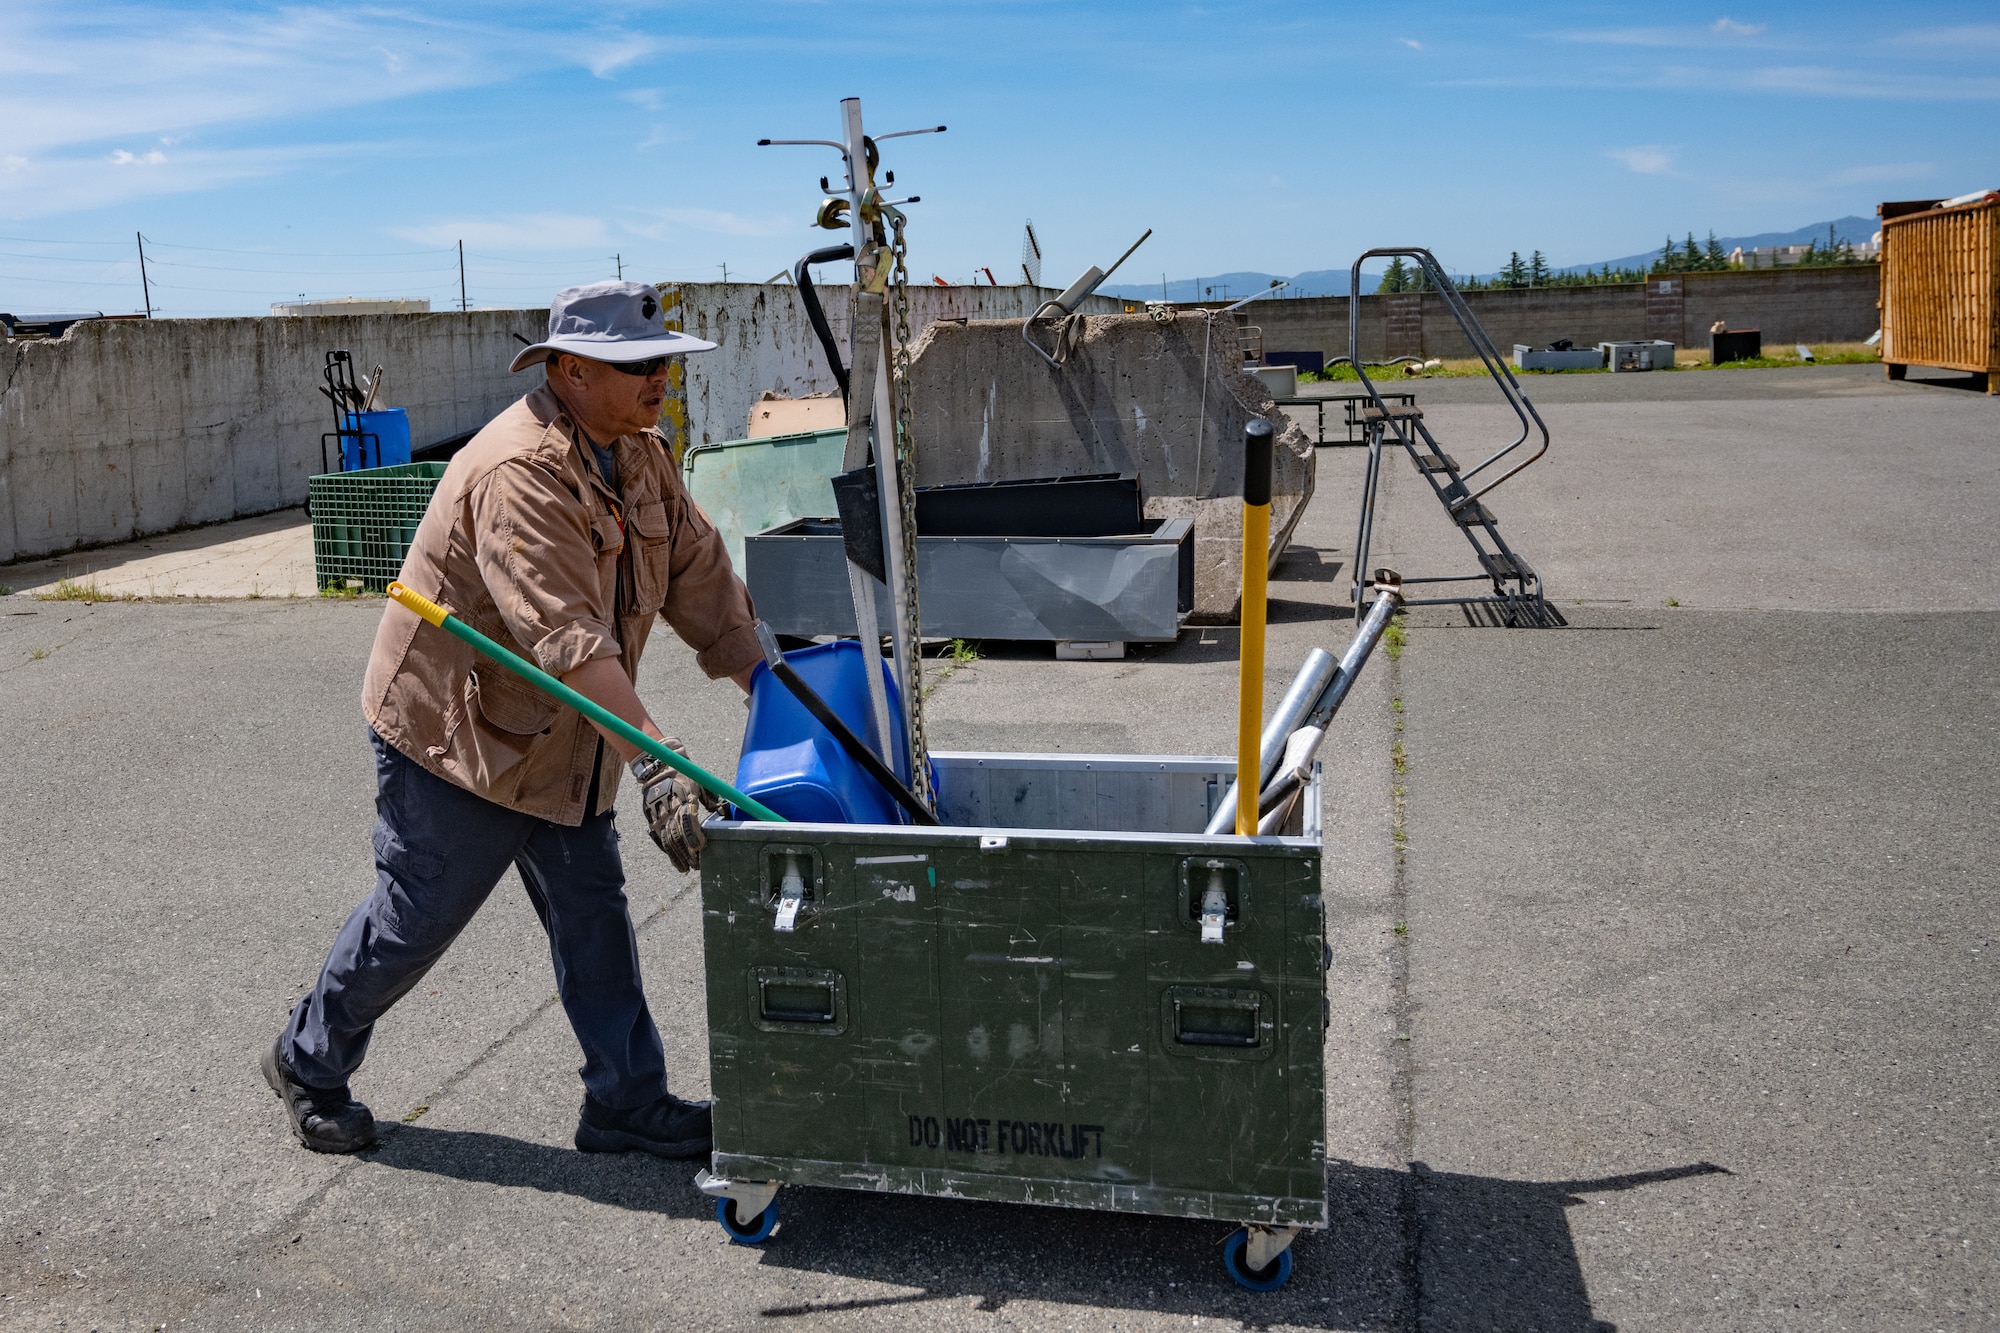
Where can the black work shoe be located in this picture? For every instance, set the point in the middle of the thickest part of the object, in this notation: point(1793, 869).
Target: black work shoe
point(668, 1127)
point(325, 1120)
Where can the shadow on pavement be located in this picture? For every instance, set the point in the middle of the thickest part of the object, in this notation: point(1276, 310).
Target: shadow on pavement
point(1474, 1251)
point(1498, 1254)
point(1942, 379)
point(620, 1180)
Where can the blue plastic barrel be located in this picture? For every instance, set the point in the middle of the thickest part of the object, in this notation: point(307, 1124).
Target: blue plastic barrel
point(793, 764)
point(386, 442)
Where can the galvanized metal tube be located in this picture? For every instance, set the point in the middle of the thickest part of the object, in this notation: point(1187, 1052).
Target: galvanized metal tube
point(1326, 703)
point(1373, 626)
point(1304, 692)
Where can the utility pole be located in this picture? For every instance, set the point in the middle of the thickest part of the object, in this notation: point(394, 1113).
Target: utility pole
point(725, 273)
point(619, 260)
point(144, 286)
point(463, 305)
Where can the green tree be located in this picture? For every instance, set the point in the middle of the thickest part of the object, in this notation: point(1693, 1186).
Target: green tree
point(1538, 270)
point(1396, 278)
point(1665, 263)
point(1515, 273)
point(1690, 257)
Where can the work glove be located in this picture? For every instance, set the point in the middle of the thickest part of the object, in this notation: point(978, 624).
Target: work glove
point(674, 806)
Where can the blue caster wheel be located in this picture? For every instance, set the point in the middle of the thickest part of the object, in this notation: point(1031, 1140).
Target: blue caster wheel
point(758, 1229)
point(1263, 1279)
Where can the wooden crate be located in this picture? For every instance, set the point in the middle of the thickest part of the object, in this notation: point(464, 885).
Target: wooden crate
point(1941, 287)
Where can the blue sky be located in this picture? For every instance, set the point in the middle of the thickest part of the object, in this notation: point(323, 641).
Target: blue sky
point(268, 151)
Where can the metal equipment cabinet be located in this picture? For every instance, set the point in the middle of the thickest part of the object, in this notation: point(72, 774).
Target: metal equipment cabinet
point(1021, 1005)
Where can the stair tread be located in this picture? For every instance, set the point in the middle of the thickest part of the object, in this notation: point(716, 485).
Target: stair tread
point(1472, 515)
point(1506, 566)
point(1435, 463)
point(1374, 413)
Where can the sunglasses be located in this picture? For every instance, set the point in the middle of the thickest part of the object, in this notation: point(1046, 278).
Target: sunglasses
point(642, 369)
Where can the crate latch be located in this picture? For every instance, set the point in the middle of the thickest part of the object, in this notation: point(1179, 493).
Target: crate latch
point(791, 895)
point(1214, 905)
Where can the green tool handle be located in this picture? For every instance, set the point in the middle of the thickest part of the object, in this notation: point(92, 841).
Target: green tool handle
point(555, 689)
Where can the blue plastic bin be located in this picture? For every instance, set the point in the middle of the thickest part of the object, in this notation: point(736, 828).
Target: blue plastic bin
point(388, 445)
point(793, 765)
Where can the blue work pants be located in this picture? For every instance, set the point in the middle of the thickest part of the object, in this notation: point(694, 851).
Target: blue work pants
point(439, 851)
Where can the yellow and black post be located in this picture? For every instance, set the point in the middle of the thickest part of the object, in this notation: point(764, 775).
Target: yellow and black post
point(1250, 655)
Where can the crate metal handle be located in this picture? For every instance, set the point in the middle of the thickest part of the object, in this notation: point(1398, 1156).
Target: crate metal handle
point(1254, 1005)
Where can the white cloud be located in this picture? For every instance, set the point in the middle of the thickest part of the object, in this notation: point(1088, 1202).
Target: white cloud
point(608, 57)
point(1883, 171)
point(76, 81)
point(1729, 27)
point(1412, 43)
point(1646, 159)
point(521, 231)
point(651, 99)
point(47, 185)
point(1966, 38)
point(710, 221)
point(1795, 80)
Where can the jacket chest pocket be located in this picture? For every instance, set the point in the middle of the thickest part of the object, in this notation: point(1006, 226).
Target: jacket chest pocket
point(651, 552)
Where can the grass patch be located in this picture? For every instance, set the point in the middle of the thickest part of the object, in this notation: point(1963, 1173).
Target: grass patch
point(6, 590)
point(345, 591)
point(83, 590)
point(1469, 368)
point(1685, 358)
point(37, 654)
point(956, 654)
point(1824, 354)
point(1394, 638)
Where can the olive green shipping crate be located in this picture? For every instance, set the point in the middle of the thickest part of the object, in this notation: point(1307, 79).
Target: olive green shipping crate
point(364, 521)
point(1019, 1006)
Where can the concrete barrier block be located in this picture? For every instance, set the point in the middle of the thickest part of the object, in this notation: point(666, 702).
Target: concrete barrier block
point(1166, 402)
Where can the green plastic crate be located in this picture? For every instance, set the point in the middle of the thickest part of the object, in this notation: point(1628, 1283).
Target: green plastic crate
point(364, 521)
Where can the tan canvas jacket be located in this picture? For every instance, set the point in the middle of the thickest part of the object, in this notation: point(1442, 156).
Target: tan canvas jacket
point(523, 541)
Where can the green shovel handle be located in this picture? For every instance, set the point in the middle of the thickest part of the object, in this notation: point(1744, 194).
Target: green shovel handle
point(602, 716)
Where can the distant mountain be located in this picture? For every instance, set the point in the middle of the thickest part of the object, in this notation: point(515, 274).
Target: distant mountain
point(1853, 230)
point(1333, 281)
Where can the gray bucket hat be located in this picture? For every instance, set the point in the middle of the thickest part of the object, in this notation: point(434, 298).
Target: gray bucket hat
point(609, 321)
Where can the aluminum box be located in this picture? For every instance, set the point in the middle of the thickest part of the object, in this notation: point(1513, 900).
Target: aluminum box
point(1138, 587)
point(1548, 358)
point(1627, 356)
point(1019, 1006)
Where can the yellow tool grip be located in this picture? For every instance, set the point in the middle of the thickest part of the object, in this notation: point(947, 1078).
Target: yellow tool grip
point(417, 602)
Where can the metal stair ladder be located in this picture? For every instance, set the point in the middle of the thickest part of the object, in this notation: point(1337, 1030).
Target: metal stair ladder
point(1517, 589)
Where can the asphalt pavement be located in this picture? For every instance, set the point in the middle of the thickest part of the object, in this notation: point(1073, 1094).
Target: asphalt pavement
point(1661, 986)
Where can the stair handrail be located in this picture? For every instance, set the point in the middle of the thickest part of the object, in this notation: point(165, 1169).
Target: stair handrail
point(1475, 333)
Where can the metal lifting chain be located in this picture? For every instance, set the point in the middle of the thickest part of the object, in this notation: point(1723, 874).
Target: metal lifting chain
point(906, 477)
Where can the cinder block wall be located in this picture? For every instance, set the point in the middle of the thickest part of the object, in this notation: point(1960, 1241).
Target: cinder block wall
point(124, 428)
point(1789, 305)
